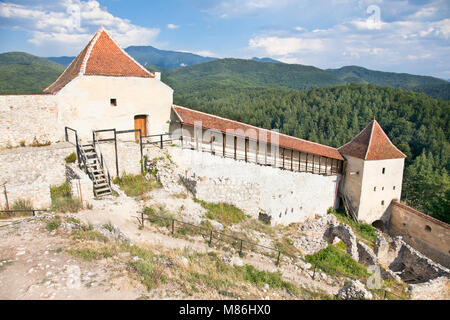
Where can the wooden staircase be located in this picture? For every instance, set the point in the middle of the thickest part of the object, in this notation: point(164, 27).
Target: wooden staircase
point(95, 170)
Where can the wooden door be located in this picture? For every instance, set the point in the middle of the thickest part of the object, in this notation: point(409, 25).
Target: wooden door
point(140, 122)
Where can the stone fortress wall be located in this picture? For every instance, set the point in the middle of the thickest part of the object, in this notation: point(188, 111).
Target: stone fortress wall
point(428, 235)
point(29, 172)
point(25, 118)
point(285, 196)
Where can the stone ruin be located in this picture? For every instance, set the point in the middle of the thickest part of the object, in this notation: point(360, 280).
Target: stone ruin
point(396, 259)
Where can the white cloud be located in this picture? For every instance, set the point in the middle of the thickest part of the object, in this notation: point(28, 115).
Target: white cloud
point(172, 26)
point(66, 27)
point(408, 45)
point(277, 46)
point(234, 8)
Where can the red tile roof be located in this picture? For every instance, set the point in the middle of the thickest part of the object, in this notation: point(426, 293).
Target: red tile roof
point(102, 56)
point(209, 121)
point(372, 144)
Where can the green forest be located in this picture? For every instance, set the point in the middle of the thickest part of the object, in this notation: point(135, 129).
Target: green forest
point(416, 123)
point(328, 110)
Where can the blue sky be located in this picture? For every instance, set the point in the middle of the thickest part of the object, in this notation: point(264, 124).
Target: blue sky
point(389, 35)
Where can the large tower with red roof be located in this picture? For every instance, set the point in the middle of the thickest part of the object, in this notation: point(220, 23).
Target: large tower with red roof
point(104, 87)
point(373, 175)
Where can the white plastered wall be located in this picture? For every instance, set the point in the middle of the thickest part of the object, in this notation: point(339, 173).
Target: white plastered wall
point(371, 207)
point(353, 180)
point(85, 104)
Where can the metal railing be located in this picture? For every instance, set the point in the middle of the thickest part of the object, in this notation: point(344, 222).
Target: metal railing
point(208, 234)
point(158, 139)
point(33, 211)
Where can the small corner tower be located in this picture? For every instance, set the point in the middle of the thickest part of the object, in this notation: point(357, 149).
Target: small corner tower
point(373, 173)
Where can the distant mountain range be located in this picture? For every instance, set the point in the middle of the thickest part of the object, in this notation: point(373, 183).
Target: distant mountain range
point(24, 73)
point(166, 59)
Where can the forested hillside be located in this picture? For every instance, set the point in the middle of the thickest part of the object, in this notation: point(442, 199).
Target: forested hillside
point(238, 72)
point(23, 73)
point(416, 123)
point(263, 94)
point(434, 87)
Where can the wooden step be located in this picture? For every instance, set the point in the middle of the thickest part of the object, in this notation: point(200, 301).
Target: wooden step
point(101, 185)
point(103, 191)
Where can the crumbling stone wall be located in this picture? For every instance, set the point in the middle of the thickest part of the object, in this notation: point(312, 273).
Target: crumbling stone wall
point(412, 264)
point(25, 118)
point(436, 289)
point(29, 172)
point(345, 233)
point(81, 186)
point(424, 233)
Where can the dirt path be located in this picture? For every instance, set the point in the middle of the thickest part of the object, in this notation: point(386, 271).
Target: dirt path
point(34, 266)
point(123, 214)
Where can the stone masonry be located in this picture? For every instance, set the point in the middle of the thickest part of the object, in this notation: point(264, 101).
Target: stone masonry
point(29, 172)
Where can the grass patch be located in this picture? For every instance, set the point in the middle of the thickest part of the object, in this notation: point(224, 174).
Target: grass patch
point(147, 267)
point(286, 245)
point(151, 274)
point(332, 259)
point(62, 200)
point(19, 204)
point(224, 213)
point(71, 158)
point(53, 224)
point(133, 185)
point(273, 279)
point(166, 216)
point(361, 230)
point(89, 235)
point(92, 254)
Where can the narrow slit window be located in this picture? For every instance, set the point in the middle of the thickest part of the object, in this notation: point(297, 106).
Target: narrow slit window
point(113, 102)
point(374, 188)
point(393, 188)
point(382, 202)
point(383, 171)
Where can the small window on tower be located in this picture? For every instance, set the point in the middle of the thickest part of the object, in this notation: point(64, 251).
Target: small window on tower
point(393, 188)
point(374, 188)
point(382, 188)
point(382, 202)
point(113, 102)
point(383, 171)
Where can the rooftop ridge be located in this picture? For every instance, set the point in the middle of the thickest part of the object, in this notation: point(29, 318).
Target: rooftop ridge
point(372, 143)
point(103, 57)
point(258, 129)
point(126, 53)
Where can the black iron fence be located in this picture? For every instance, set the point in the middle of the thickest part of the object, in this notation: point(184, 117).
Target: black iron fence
point(242, 244)
point(32, 211)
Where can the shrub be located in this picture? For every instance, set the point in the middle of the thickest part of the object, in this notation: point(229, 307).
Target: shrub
point(54, 223)
point(362, 230)
point(133, 185)
point(259, 278)
point(91, 254)
point(62, 200)
point(224, 213)
point(71, 158)
point(164, 221)
point(19, 204)
point(332, 259)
